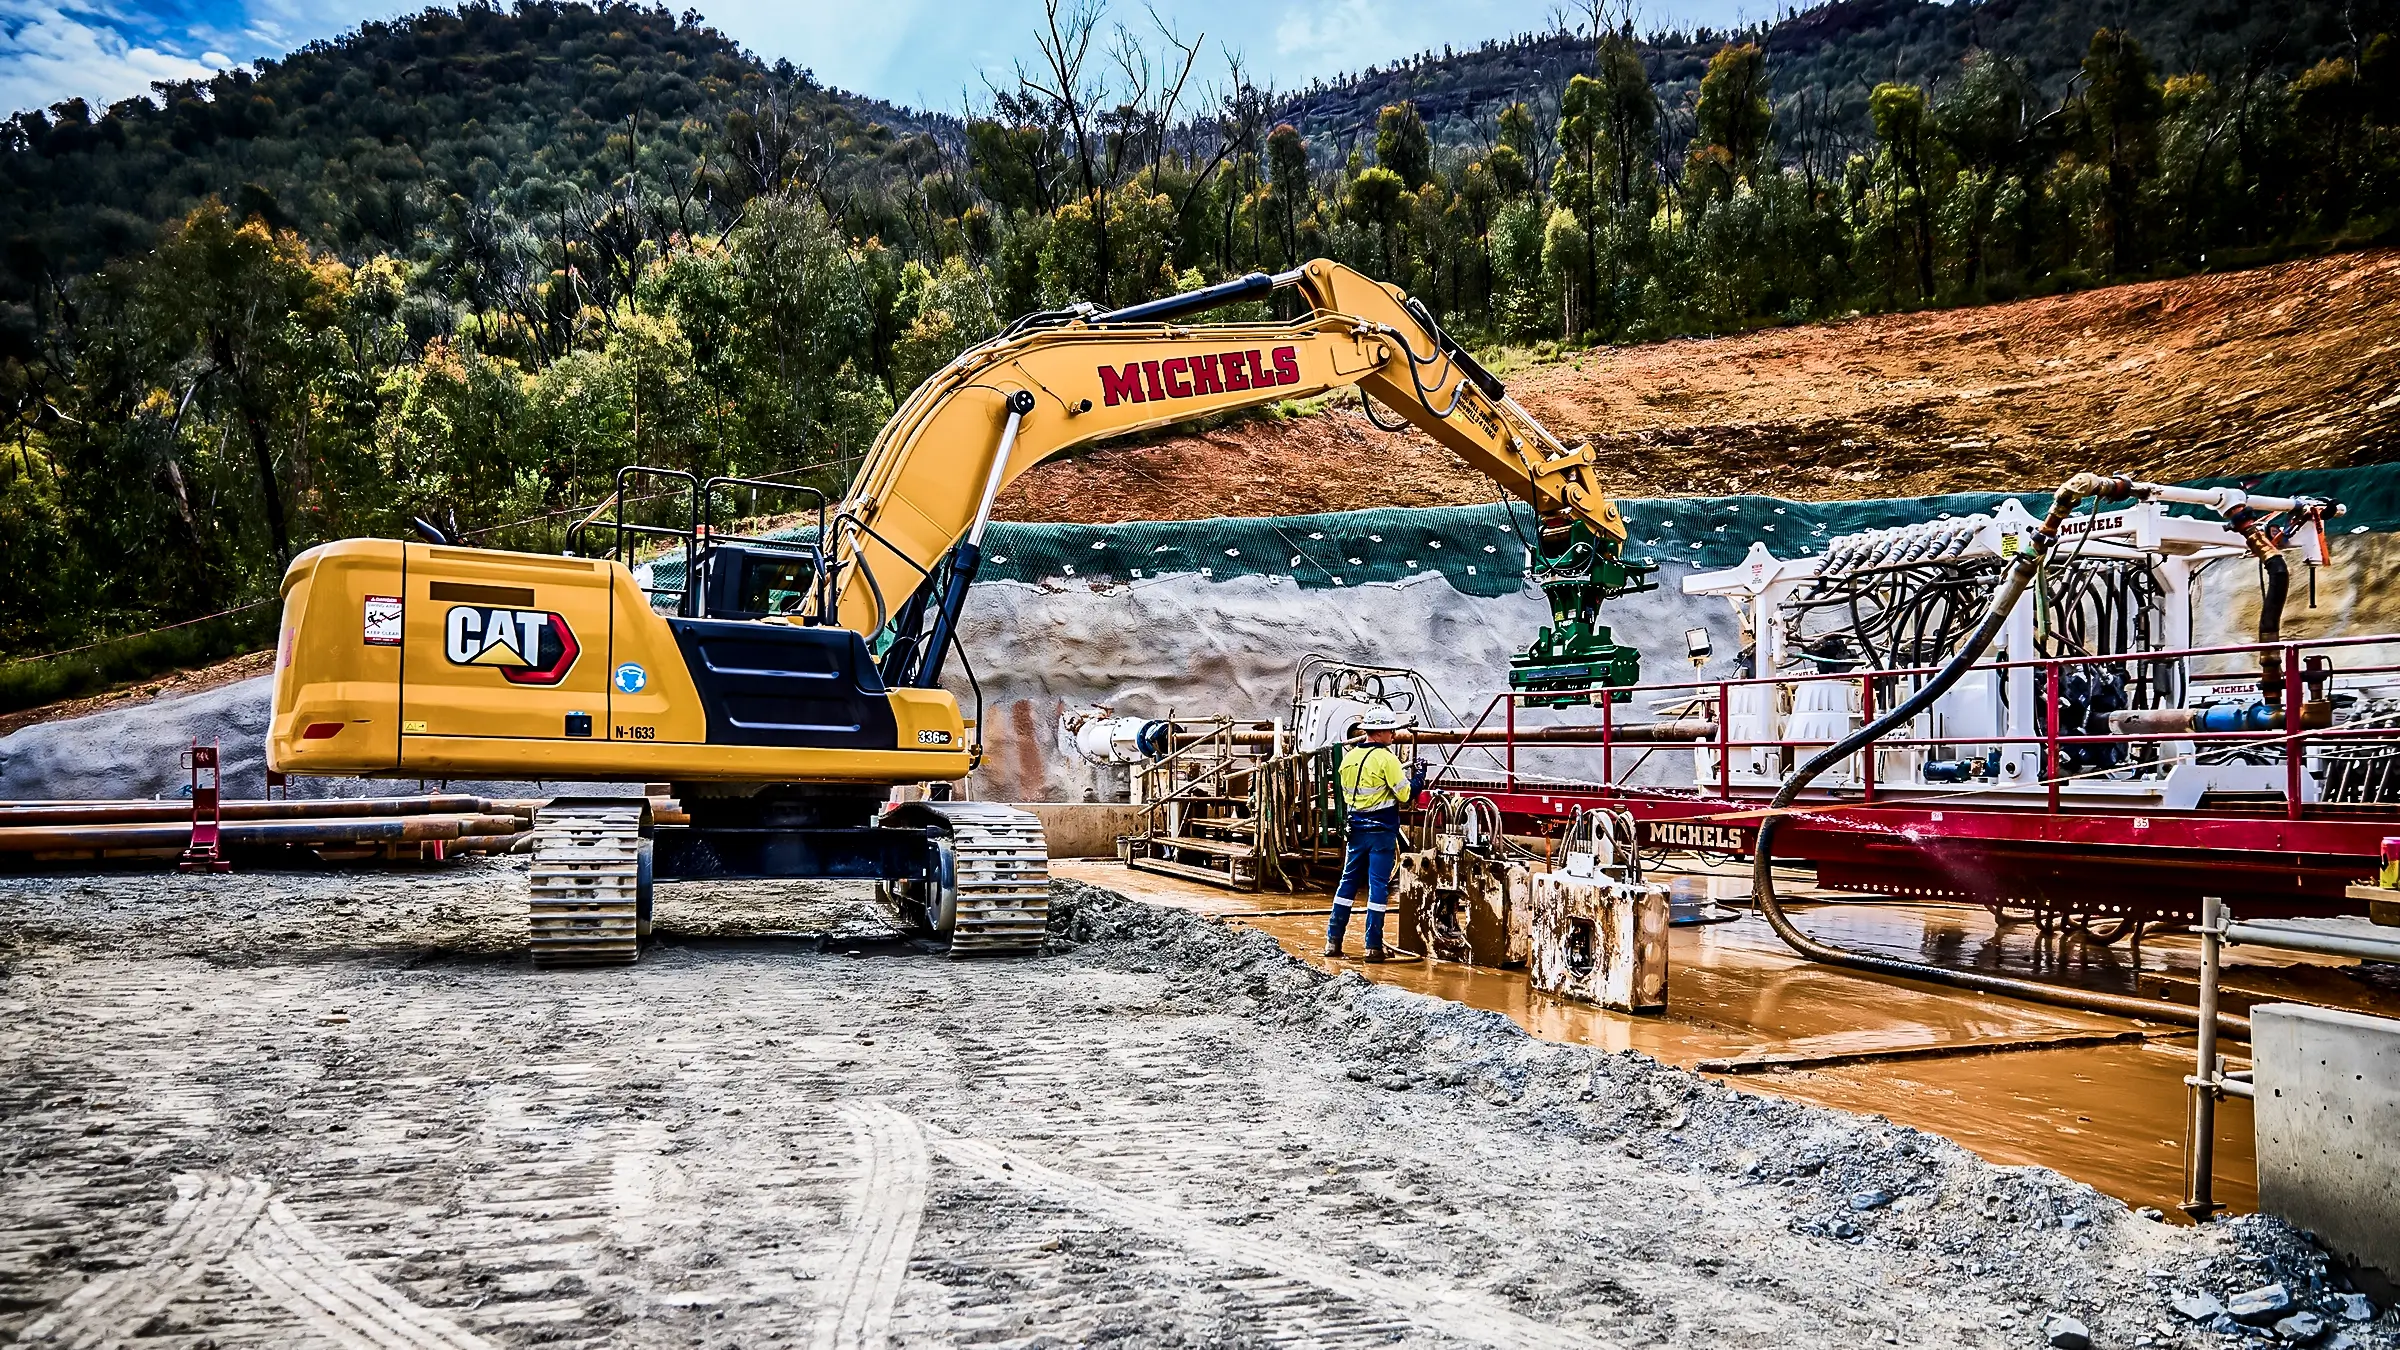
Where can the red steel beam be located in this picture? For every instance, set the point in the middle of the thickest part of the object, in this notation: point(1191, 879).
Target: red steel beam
point(2107, 860)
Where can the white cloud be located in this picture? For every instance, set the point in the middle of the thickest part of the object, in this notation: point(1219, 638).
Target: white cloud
point(49, 53)
point(1325, 39)
point(907, 51)
point(273, 27)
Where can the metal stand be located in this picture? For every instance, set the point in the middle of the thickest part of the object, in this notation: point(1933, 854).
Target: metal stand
point(2207, 1082)
point(203, 853)
point(2210, 1083)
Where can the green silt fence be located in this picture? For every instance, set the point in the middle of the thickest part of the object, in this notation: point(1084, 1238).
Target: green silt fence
point(1481, 550)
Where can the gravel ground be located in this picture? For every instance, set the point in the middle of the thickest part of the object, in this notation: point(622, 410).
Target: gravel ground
point(338, 1109)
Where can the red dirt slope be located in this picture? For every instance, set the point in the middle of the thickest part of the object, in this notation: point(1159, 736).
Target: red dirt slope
point(2291, 366)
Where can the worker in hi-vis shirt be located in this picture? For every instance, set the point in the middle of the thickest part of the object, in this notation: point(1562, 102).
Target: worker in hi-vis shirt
point(1375, 785)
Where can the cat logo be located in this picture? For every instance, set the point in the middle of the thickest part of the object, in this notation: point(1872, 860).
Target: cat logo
point(527, 646)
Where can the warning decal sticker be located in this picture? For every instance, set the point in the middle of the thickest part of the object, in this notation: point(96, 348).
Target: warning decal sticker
point(383, 621)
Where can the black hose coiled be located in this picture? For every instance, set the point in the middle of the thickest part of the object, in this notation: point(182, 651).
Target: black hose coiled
point(1762, 865)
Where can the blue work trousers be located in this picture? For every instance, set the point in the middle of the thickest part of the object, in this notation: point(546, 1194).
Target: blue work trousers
point(1374, 848)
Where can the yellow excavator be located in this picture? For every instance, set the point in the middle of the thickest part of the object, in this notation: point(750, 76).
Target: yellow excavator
point(796, 682)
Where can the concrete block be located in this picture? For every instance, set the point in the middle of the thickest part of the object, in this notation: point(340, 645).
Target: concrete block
point(2328, 1121)
point(1597, 941)
point(1084, 829)
point(1462, 908)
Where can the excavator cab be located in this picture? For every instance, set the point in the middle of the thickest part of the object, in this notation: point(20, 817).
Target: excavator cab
point(720, 575)
point(748, 580)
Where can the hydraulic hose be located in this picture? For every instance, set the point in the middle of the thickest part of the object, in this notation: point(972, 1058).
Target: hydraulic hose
point(2270, 626)
point(1762, 871)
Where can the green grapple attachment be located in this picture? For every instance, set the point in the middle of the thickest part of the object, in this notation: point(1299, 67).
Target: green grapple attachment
point(1576, 659)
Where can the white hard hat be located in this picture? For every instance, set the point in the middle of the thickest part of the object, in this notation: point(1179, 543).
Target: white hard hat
point(1384, 719)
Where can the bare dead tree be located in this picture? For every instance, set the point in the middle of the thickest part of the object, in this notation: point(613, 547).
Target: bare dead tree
point(1065, 44)
point(689, 197)
point(1126, 127)
point(1594, 18)
point(1807, 125)
point(1160, 114)
point(1544, 108)
point(1241, 130)
point(1484, 125)
point(772, 144)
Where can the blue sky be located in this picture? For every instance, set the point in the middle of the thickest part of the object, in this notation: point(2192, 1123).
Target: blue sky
point(919, 52)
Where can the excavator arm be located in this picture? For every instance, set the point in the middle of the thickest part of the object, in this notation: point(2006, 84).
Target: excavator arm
point(905, 542)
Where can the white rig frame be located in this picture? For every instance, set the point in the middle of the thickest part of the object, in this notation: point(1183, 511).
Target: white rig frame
point(1987, 702)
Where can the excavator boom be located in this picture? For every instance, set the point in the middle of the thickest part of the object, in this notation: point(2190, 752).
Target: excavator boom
point(1060, 380)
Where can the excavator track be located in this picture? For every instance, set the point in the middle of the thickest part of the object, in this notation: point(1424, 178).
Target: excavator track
point(997, 900)
point(590, 888)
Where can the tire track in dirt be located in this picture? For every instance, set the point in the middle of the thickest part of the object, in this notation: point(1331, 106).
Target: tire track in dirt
point(335, 1297)
point(484, 1194)
point(102, 1112)
point(210, 1217)
point(1116, 1072)
point(866, 1280)
point(1255, 1161)
point(1172, 1153)
point(495, 1195)
point(235, 1222)
point(1429, 1304)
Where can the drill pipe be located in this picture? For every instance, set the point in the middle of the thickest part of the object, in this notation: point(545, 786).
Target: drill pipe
point(2314, 716)
point(520, 842)
point(1762, 864)
point(1639, 733)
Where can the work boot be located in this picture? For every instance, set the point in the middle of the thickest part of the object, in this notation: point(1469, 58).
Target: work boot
point(1333, 949)
point(1375, 955)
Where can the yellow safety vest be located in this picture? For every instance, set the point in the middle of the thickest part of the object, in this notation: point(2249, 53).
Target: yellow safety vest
point(1372, 779)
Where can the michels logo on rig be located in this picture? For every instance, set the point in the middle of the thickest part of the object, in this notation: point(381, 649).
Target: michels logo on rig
point(527, 646)
point(1191, 376)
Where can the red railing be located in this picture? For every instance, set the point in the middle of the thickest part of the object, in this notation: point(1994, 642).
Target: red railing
point(2293, 738)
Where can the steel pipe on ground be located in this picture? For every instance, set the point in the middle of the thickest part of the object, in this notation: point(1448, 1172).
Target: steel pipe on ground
point(494, 843)
point(2366, 946)
point(255, 833)
point(15, 814)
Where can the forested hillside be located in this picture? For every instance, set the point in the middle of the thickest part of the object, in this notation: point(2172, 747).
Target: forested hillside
point(423, 131)
point(464, 265)
point(1829, 58)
